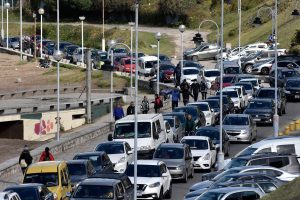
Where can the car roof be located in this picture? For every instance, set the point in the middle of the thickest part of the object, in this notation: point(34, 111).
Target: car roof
point(99, 181)
point(232, 189)
point(195, 138)
point(172, 145)
point(95, 153)
point(141, 117)
point(148, 162)
point(117, 176)
point(25, 185)
point(277, 140)
point(237, 115)
point(262, 155)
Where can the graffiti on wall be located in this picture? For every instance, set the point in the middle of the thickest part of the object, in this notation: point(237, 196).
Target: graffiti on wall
point(43, 127)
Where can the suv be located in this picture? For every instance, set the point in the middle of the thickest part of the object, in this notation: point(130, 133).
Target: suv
point(9, 196)
point(32, 191)
point(294, 58)
point(282, 75)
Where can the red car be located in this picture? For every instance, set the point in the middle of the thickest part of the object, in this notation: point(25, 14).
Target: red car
point(228, 80)
point(168, 72)
point(124, 65)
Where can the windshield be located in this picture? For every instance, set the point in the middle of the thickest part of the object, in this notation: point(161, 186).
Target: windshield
point(126, 130)
point(237, 121)
point(211, 73)
point(233, 94)
point(96, 160)
point(150, 64)
point(77, 169)
point(246, 86)
point(228, 79)
point(94, 192)
point(110, 148)
point(293, 83)
point(211, 196)
point(247, 152)
point(196, 144)
point(25, 193)
point(259, 105)
point(171, 121)
point(268, 94)
point(48, 179)
point(169, 153)
point(212, 134)
point(190, 71)
point(236, 162)
point(144, 171)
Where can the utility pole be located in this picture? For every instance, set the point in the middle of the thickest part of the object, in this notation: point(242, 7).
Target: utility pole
point(88, 86)
point(34, 17)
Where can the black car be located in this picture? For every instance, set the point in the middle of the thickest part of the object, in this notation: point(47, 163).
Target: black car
point(290, 57)
point(31, 191)
point(197, 115)
point(231, 67)
point(99, 159)
point(214, 134)
point(80, 170)
point(229, 105)
point(269, 93)
point(261, 110)
point(68, 52)
point(62, 45)
point(292, 89)
point(282, 75)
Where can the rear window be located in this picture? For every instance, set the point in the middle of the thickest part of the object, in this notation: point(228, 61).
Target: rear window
point(286, 149)
point(279, 162)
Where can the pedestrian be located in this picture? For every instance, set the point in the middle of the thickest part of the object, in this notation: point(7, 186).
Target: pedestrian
point(158, 104)
point(175, 97)
point(118, 112)
point(25, 159)
point(46, 155)
point(195, 87)
point(203, 89)
point(185, 90)
point(145, 105)
point(131, 109)
point(189, 125)
point(177, 73)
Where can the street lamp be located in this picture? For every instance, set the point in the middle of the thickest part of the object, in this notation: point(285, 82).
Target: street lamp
point(158, 37)
point(82, 18)
point(111, 44)
point(240, 29)
point(7, 5)
point(181, 29)
point(21, 29)
point(34, 35)
point(131, 24)
point(2, 30)
point(41, 12)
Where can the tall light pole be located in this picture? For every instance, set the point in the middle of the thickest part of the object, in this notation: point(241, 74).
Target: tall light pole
point(131, 24)
point(34, 35)
point(7, 5)
point(103, 38)
point(111, 44)
point(82, 18)
point(181, 29)
point(21, 29)
point(41, 12)
point(158, 37)
point(240, 28)
point(2, 30)
point(220, 153)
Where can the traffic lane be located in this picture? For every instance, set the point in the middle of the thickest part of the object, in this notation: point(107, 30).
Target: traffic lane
point(292, 110)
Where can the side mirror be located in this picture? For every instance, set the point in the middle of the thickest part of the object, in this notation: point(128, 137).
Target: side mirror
point(109, 137)
point(130, 152)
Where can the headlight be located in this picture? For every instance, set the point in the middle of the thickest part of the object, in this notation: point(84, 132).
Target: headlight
point(243, 131)
point(121, 160)
point(180, 167)
point(145, 147)
point(206, 157)
point(55, 195)
point(157, 184)
point(287, 92)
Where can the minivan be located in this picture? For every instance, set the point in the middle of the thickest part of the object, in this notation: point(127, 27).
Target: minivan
point(145, 64)
point(151, 133)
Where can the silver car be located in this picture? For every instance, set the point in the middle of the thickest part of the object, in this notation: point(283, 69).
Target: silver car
point(13, 42)
point(77, 55)
point(178, 158)
point(176, 127)
point(240, 127)
point(208, 51)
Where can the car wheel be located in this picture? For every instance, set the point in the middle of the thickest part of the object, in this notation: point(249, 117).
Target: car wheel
point(169, 193)
point(250, 139)
point(195, 58)
point(284, 111)
point(265, 71)
point(227, 152)
point(280, 112)
point(185, 178)
point(248, 69)
point(161, 194)
point(192, 173)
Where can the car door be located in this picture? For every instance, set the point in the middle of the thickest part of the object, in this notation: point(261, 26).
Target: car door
point(166, 181)
point(188, 159)
point(129, 153)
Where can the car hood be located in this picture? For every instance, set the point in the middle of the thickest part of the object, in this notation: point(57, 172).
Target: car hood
point(145, 180)
point(258, 111)
point(201, 185)
point(195, 194)
point(201, 153)
point(234, 127)
point(114, 158)
point(171, 162)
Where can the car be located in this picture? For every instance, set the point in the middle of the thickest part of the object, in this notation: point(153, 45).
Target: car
point(209, 75)
point(29, 191)
point(263, 68)
point(77, 55)
point(289, 57)
point(178, 158)
point(214, 134)
point(282, 76)
point(181, 116)
point(145, 64)
point(230, 67)
point(254, 81)
point(140, 54)
point(62, 45)
point(13, 42)
point(154, 180)
point(257, 58)
point(232, 193)
point(207, 111)
point(68, 52)
point(164, 59)
point(286, 64)
point(234, 95)
point(215, 105)
point(176, 126)
point(170, 134)
point(166, 70)
point(244, 76)
point(125, 182)
point(242, 94)
point(189, 63)
point(98, 58)
point(99, 188)
point(240, 127)
point(49, 48)
point(9, 195)
point(202, 52)
point(292, 89)
point(125, 65)
point(229, 105)
point(249, 89)
point(203, 151)
point(120, 52)
point(269, 93)
point(99, 159)
point(197, 115)
point(119, 152)
point(228, 80)
point(189, 74)
point(80, 170)
point(261, 110)
point(38, 44)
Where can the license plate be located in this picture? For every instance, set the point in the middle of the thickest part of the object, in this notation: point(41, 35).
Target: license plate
point(139, 193)
point(256, 119)
point(297, 96)
point(232, 138)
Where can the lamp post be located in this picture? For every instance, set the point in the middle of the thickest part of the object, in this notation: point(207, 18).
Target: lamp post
point(34, 35)
point(181, 30)
point(103, 38)
point(7, 5)
point(131, 24)
point(2, 30)
point(21, 29)
point(82, 18)
point(240, 29)
point(158, 37)
point(111, 44)
point(41, 12)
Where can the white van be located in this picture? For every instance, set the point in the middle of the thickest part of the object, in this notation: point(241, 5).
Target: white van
point(151, 132)
point(145, 64)
point(285, 145)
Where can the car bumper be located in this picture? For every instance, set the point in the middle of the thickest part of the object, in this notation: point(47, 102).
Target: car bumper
point(148, 193)
point(239, 138)
point(176, 174)
point(120, 167)
point(202, 164)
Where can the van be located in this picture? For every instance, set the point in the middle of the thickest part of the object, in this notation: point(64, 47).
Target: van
point(283, 145)
point(151, 133)
point(53, 174)
point(145, 64)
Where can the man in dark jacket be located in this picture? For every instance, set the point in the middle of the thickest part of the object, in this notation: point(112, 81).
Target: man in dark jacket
point(177, 74)
point(185, 89)
point(25, 159)
point(195, 86)
point(131, 109)
point(203, 89)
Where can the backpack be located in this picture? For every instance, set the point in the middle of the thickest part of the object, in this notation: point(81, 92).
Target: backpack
point(159, 103)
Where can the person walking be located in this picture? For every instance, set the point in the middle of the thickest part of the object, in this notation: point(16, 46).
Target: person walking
point(195, 87)
point(46, 155)
point(131, 109)
point(25, 159)
point(158, 104)
point(185, 90)
point(177, 73)
point(189, 125)
point(203, 89)
point(118, 112)
point(145, 105)
point(175, 97)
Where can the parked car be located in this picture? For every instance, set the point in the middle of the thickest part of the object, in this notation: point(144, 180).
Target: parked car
point(240, 127)
point(29, 191)
point(290, 57)
point(261, 110)
point(178, 158)
point(176, 126)
point(13, 42)
point(282, 76)
point(214, 134)
point(189, 63)
point(215, 105)
point(49, 48)
point(77, 55)
point(166, 70)
point(263, 68)
point(80, 170)
point(189, 74)
point(230, 67)
point(145, 64)
point(154, 180)
point(62, 45)
point(197, 115)
point(286, 64)
point(99, 159)
point(120, 52)
point(9, 195)
point(68, 52)
point(292, 89)
point(208, 112)
point(125, 65)
point(249, 89)
point(228, 80)
point(203, 151)
point(257, 58)
point(269, 93)
point(241, 92)
point(236, 99)
point(254, 81)
point(229, 105)
point(205, 51)
point(209, 75)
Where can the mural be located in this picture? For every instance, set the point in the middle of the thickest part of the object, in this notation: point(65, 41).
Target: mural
point(43, 127)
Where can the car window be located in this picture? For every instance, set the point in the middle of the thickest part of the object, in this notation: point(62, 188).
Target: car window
point(249, 195)
point(278, 162)
point(265, 150)
point(234, 196)
point(286, 149)
point(267, 187)
point(127, 183)
point(262, 161)
point(269, 172)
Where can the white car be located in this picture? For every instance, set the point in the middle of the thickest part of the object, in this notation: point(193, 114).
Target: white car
point(9, 195)
point(120, 154)
point(255, 82)
point(234, 95)
point(154, 180)
point(189, 73)
point(242, 93)
point(207, 111)
point(203, 151)
point(170, 133)
point(209, 75)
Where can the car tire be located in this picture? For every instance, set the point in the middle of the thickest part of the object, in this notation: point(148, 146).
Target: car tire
point(161, 194)
point(192, 174)
point(265, 71)
point(280, 112)
point(284, 111)
point(248, 69)
point(227, 152)
point(195, 58)
point(169, 193)
point(185, 178)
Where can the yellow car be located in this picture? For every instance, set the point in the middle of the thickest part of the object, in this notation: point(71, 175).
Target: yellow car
point(53, 174)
